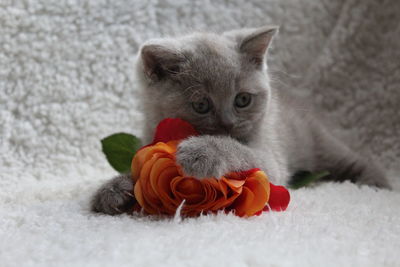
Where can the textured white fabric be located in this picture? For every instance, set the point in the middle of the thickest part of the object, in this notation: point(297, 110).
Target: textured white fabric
point(66, 81)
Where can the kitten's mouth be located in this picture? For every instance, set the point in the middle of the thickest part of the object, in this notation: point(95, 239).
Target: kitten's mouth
point(239, 135)
point(215, 132)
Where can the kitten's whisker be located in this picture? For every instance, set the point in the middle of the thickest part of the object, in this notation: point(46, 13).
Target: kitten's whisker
point(129, 194)
point(276, 71)
point(190, 87)
point(117, 209)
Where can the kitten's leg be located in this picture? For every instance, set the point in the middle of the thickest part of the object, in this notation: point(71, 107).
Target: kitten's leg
point(115, 196)
point(214, 156)
point(343, 163)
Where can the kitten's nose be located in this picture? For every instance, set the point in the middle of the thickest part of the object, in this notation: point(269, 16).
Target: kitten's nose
point(226, 120)
point(227, 124)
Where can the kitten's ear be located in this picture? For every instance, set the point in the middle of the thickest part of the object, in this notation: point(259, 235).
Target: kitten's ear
point(256, 44)
point(160, 62)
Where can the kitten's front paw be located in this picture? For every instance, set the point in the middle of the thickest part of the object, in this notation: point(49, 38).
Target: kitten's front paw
point(114, 197)
point(199, 158)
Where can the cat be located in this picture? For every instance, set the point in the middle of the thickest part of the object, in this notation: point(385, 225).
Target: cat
point(220, 84)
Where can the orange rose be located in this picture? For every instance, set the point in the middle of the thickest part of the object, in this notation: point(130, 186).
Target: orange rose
point(161, 186)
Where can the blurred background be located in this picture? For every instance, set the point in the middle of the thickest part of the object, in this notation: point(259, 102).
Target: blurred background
point(66, 75)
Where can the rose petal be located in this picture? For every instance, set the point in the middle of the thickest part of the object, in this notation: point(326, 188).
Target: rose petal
point(158, 167)
point(164, 189)
point(137, 190)
point(173, 129)
point(243, 203)
point(261, 195)
point(254, 196)
point(144, 154)
point(189, 189)
point(235, 185)
point(152, 201)
point(279, 198)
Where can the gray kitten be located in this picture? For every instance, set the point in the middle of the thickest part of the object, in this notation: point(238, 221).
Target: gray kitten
point(220, 84)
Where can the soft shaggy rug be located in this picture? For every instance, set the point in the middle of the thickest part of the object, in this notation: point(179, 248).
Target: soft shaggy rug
point(66, 82)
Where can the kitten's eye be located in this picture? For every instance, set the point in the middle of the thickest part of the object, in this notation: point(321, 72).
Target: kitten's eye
point(202, 107)
point(242, 100)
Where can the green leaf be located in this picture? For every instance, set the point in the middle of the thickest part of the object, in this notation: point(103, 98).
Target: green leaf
point(119, 149)
point(305, 178)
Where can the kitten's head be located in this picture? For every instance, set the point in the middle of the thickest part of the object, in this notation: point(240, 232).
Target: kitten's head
point(218, 83)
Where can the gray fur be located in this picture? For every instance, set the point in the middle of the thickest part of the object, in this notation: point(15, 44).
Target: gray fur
point(275, 132)
point(213, 156)
point(115, 196)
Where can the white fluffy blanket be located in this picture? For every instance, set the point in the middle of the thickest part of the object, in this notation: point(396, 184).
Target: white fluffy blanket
point(66, 82)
